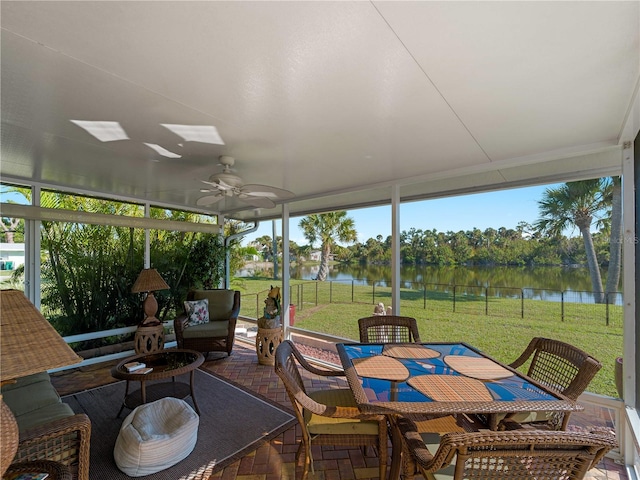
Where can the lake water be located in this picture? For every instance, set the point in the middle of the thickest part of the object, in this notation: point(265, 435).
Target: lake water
point(538, 282)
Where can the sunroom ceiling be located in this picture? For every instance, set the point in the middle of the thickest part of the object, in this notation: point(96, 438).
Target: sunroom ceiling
point(335, 101)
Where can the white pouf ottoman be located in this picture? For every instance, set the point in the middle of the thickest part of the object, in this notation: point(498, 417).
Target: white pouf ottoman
point(155, 436)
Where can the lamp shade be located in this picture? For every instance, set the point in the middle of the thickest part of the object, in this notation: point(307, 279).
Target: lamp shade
point(149, 280)
point(28, 342)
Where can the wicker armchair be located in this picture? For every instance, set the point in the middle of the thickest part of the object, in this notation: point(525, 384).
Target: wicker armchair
point(388, 329)
point(562, 368)
point(327, 417)
point(65, 440)
point(517, 455)
point(218, 334)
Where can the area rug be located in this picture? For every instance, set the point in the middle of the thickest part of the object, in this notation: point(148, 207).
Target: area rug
point(233, 422)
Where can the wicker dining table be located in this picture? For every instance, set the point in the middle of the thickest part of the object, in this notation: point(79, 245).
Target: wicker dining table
point(441, 379)
point(38, 469)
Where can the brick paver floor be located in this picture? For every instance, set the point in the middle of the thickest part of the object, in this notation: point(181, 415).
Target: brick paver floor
point(275, 460)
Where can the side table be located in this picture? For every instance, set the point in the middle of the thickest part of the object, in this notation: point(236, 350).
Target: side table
point(56, 471)
point(267, 341)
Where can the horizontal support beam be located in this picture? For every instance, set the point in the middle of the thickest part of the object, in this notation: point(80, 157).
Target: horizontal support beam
point(31, 212)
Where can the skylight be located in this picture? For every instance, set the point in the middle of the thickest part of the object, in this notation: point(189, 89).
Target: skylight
point(162, 151)
point(103, 131)
point(196, 133)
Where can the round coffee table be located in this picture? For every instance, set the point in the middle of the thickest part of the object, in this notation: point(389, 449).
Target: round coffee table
point(55, 470)
point(165, 364)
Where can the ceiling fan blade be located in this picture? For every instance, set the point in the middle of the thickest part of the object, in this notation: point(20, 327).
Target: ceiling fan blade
point(209, 199)
point(267, 191)
point(220, 185)
point(258, 202)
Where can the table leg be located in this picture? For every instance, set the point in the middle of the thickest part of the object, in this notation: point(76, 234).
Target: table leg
point(394, 391)
point(143, 392)
point(492, 420)
point(396, 450)
point(124, 400)
point(193, 393)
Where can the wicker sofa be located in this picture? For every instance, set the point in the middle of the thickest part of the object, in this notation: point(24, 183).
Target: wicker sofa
point(49, 429)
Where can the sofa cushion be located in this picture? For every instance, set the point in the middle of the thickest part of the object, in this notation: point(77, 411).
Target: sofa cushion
point(318, 424)
point(208, 330)
point(43, 415)
point(29, 379)
point(220, 302)
point(31, 397)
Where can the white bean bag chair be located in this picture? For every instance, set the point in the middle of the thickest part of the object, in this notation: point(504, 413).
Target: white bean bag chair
point(155, 436)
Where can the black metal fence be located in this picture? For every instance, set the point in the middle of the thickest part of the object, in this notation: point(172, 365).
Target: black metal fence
point(467, 299)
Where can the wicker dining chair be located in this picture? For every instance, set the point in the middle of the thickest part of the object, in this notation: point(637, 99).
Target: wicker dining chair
point(517, 454)
point(327, 417)
point(388, 329)
point(561, 367)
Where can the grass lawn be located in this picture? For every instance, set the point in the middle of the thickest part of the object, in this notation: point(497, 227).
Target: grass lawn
point(502, 336)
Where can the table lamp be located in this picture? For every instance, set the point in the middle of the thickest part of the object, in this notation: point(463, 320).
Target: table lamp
point(150, 333)
point(28, 345)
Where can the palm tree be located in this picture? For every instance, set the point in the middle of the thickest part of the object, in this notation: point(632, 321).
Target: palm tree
point(328, 228)
point(615, 245)
point(9, 226)
point(264, 246)
point(576, 203)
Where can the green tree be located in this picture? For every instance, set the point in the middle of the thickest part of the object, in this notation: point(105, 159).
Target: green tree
point(206, 261)
point(576, 204)
point(9, 227)
point(303, 253)
point(328, 229)
point(88, 270)
point(615, 240)
point(264, 245)
point(460, 247)
point(374, 251)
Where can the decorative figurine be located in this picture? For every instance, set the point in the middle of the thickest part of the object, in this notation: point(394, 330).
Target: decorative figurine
point(271, 316)
point(379, 309)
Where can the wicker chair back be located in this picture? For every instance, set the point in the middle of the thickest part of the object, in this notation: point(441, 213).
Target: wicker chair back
point(388, 329)
point(518, 455)
point(561, 367)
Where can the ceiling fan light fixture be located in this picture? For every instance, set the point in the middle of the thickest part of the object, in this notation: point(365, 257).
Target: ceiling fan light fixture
point(229, 185)
point(225, 179)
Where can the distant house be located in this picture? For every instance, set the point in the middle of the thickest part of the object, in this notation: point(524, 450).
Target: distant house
point(11, 255)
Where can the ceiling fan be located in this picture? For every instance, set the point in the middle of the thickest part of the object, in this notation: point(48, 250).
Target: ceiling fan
point(228, 184)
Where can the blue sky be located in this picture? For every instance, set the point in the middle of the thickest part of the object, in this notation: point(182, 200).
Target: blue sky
point(504, 208)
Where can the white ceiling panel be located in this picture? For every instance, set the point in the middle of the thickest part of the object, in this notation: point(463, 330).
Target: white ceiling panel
point(519, 74)
point(335, 101)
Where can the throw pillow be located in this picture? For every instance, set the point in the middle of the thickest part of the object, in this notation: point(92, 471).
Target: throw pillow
point(197, 312)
